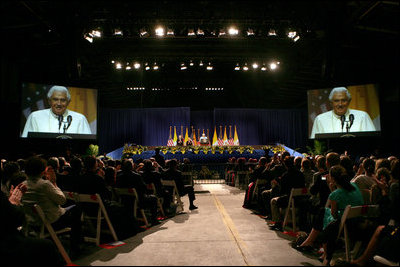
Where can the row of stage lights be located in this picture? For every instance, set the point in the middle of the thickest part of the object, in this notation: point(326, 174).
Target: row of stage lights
point(161, 32)
point(135, 88)
point(272, 66)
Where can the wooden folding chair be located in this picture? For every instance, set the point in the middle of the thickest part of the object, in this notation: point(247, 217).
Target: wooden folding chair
point(176, 198)
point(160, 200)
point(365, 211)
point(101, 215)
point(291, 209)
point(38, 210)
point(131, 192)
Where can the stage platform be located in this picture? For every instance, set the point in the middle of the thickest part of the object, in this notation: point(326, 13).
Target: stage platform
point(254, 152)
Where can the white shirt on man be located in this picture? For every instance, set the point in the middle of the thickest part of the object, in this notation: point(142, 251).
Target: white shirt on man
point(329, 122)
point(46, 121)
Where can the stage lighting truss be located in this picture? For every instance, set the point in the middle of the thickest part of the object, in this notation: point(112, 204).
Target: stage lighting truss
point(256, 66)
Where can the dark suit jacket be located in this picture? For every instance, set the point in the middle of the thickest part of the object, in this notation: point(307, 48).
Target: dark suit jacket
point(92, 183)
point(131, 180)
point(177, 177)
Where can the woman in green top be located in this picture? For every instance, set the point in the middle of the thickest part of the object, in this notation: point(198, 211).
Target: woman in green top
point(343, 193)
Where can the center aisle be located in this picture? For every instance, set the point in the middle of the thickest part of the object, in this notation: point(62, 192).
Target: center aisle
point(220, 232)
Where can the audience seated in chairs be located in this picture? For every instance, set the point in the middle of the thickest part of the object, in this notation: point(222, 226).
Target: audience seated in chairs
point(42, 189)
point(343, 193)
point(172, 173)
point(292, 178)
point(274, 170)
point(92, 183)
point(151, 176)
point(257, 174)
point(127, 178)
point(16, 248)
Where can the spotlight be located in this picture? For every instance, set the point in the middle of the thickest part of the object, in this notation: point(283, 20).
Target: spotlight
point(160, 31)
point(295, 39)
point(245, 68)
point(128, 67)
point(250, 32)
point(221, 32)
point(191, 64)
point(237, 67)
point(143, 33)
point(136, 65)
point(147, 67)
point(273, 65)
point(210, 67)
point(118, 32)
point(88, 37)
point(170, 32)
point(183, 66)
point(255, 66)
point(155, 67)
point(200, 32)
point(292, 34)
point(96, 33)
point(201, 63)
point(271, 32)
point(118, 65)
point(263, 68)
point(233, 31)
point(191, 32)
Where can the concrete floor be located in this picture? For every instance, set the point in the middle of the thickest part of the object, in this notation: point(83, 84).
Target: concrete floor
point(220, 232)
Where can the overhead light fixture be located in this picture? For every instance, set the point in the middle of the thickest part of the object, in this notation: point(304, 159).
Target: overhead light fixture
point(274, 65)
point(263, 68)
point(245, 67)
point(295, 39)
point(250, 32)
point(272, 32)
point(88, 37)
point(147, 67)
point(233, 31)
point(201, 63)
point(136, 65)
point(170, 32)
point(221, 32)
point(118, 65)
point(200, 32)
point(155, 67)
point(183, 66)
point(292, 34)
point(160, 31)
point(118, 32)
point(237, 67)
point(191, 64)
point(191, 32)
point(143, 33)
point(128, 67)
point(209, 66)
point(255, 65)
point(96, 33)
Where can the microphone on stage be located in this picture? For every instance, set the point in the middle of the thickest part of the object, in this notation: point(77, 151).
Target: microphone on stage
point(60, 119)
point(351, 118)
point(342, 119)
point(69, 120)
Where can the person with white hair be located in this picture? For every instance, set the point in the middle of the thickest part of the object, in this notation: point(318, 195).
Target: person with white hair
point(57, 118)
point(341, 119)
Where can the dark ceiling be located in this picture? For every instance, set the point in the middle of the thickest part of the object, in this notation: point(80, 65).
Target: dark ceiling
point(342, 43)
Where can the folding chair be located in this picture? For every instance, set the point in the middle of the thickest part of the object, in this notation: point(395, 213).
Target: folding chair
point(176, 198)
point(365, 211)
point(38, 210)
point(259, 183)
point(291, 207)
point(160, 200)
point(131, 192)
point(384, 261)
point(101, 215)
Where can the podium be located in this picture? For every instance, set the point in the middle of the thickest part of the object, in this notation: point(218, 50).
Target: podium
point(61, 135)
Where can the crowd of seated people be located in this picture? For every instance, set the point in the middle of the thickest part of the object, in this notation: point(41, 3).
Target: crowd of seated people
point(46, 181)
point(333, 181)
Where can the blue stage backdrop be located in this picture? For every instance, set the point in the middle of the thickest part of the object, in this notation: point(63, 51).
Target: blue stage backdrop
point(150, 126)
